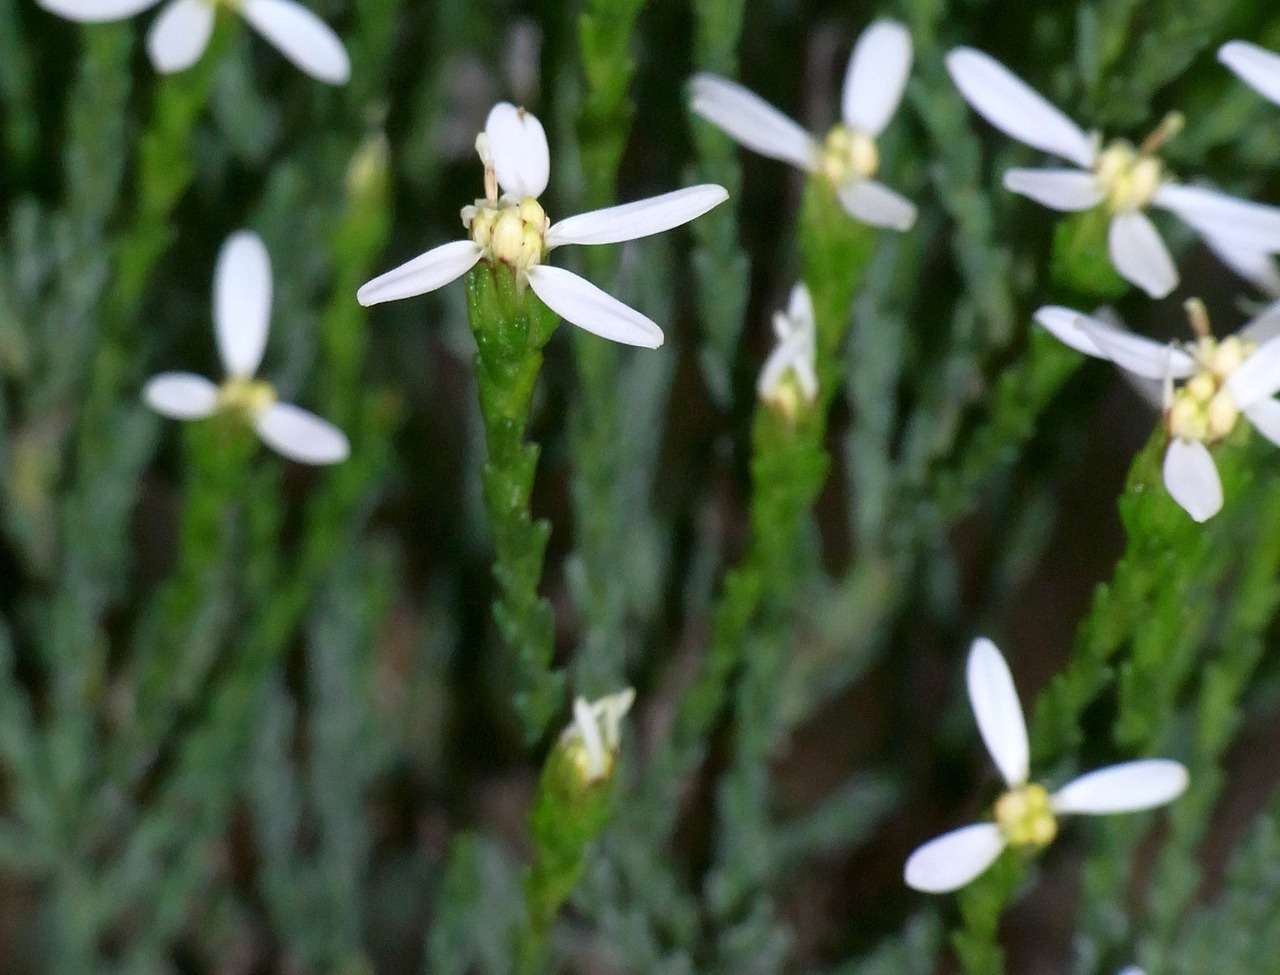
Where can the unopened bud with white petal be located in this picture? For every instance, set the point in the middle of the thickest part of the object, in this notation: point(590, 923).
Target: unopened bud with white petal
point(592, 740)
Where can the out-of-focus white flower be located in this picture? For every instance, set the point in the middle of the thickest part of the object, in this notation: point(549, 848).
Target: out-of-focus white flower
point(241, 316)
point(181, 33)
point(1131, 970)
point(789, 375)
point(1257, 267)
point(515, 230)
point(1208, 383)
point(848, 156)
point(1026, 816)
point(1125, 179)
point(1256, 67)
point(595, 734)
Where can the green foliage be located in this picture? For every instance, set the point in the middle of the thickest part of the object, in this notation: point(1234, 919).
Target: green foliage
point(1081, 259)
point(258, 717)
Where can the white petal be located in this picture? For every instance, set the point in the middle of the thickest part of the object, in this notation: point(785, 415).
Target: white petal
point(953, 859)
point(1214, 214)
point(521, 159)
point(1130, 787)
point(997, 710)
point(96, 11)
point(1131, 970)
point(1255, 65)
point(1140, 356)
point(631, 221)
point(584, 719)
point(1264, 326)
point(302, 37)
point(301, 436)
point(1013, 107)
point(1192, 479)
point(792, 354)
point(426, 272)
point(180, 34)
point(1257, 267)
point(242, 302)
point(875, 204)
point(181, 395)
point(750, 120)
point(580, 302)
point(1258, 377)
point(876, 76)
point(800, 308)
point(1265, 417)
point(1064, 325)
point(1139, 254)
point(1059, 189)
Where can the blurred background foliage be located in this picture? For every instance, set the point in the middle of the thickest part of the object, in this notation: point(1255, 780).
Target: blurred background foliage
point(256, 718)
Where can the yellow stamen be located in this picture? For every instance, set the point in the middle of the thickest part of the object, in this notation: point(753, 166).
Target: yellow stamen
point(848, 154)
point(1025, 817)
point(247, 397)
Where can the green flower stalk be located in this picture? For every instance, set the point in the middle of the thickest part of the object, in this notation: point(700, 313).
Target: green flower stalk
point(511, 326)
point(572, 807)
point(513, 298)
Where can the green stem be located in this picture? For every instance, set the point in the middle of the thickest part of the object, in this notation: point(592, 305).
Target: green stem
point(511, 326)
point(789, 464)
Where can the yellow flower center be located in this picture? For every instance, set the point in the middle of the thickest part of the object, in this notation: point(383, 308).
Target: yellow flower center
point(1203, 408)
point(1128, 177)
point(786, 397)
point(848, 154)
point(246, 397)
point(512, 232)
point(1025, 818)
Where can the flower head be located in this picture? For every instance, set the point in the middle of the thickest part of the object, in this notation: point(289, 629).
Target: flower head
point(848, 156)
point(1026, 815)
point(594, 736)
point(181, 33)
point(1125, 179)
point(241, 315)
point(1256, 67)
point(1208, 384)
point(788, 378)
point(513, 229)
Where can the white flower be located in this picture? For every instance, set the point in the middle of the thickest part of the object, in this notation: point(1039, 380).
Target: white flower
point(1256, 66)
point(596, 733)
point(1257, 267)
point(1026, 816)
point(789, 371)
point(1131, 970)
point(1124, 179)
point(514, 229)
point(848, 157)
point(1217, 381)
point(241, 316)
point(181, 33)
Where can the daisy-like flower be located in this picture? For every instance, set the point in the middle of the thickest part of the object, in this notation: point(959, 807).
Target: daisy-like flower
point(789, 376)
point(514, 229)
point(1026, 816)
point(1256, 66)
point(241, 316)
point(1208, 384)
point(595, 735)
point(181, 33)
point(848, 156)
point(1125, 179)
